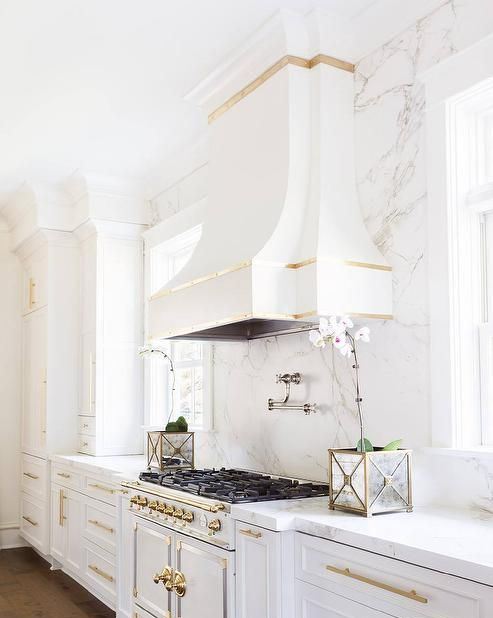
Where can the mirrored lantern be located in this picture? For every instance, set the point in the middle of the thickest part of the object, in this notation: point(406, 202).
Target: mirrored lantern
point(170, 450)
point(369, 483)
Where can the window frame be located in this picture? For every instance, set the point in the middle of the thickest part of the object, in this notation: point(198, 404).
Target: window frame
point(168, 237)
point(451, 89)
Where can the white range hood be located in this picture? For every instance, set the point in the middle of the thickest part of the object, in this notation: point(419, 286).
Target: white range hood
point(283, 240)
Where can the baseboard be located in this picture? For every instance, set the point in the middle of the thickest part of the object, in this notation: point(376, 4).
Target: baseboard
point(9, 536)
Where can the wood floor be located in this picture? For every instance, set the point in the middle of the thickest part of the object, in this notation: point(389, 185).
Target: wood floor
point(28, 589)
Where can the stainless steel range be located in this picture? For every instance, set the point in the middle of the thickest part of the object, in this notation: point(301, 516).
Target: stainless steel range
point(180, 556)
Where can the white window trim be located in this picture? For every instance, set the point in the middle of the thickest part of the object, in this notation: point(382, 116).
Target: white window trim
point(445, 84)
point(182, 223)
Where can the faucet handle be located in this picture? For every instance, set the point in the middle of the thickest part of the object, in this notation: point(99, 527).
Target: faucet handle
point(288, 378)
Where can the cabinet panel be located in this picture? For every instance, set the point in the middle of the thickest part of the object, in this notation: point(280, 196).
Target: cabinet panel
point(34, 412)
point(34, 476)
point(152, 557)
point(99, 570)
point(72, 511)
point(58, 535)
point(99, 524)
point(258, 572)
point(35, 294)
point(87, 380)
point(34, 522)
point(312, 602)
point(205, 571)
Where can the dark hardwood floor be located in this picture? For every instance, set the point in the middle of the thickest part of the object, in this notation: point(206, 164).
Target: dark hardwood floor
point(28, 589)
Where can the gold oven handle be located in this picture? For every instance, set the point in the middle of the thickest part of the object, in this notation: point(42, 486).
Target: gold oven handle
point(412, 594)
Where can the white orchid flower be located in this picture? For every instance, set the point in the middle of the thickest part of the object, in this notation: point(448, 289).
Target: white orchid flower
point(347, 322)
point(363, 334)
point(317, 339)
point(342, 344)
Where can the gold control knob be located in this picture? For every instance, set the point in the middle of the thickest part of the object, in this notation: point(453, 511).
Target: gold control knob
point(214, 526)
point(160, 507)
point(177, 513)
point(152, 505)
point(187, 517)
point(133, 500)
point(141, 501)
point(169, 510)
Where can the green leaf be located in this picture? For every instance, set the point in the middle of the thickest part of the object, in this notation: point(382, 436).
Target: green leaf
point(392, 446)
point(368, 446)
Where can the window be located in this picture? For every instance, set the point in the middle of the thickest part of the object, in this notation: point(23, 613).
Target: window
point(459, 133)
point(192, 360)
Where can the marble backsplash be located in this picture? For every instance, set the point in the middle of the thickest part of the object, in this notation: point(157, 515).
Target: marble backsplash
point(391, 173)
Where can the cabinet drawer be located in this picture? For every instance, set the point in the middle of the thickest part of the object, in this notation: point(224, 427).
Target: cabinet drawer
point(99, 524)
point(34, 522)
point(98, 570)
point(34, 476)
point(87, 445)
point(87, 426)
point(141, 613)
point(65, 477)
point(103, 490)
point(399, 588)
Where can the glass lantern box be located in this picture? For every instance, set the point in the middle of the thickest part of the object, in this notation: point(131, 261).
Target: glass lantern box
point(170, 450)
point(370, 483)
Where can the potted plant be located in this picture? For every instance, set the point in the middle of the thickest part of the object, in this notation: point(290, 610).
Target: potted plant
point(364, 479)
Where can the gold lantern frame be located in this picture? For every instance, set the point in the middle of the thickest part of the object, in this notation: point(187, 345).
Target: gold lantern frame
point(167, 444)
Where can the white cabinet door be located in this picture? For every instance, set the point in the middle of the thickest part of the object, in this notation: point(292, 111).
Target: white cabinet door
point(153, 562)
point(34, 383)
point(72, 512)
point(58, 532)
point(204, 574)
point(258, 572)
point(313, 602)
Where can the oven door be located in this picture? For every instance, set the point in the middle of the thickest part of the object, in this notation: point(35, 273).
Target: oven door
point(152, 568)
point(203, 580)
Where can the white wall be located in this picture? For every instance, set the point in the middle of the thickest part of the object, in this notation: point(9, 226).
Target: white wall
point(391, 172)
point(10, 391)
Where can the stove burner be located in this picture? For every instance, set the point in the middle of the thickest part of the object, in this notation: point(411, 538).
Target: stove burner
point(235, 486)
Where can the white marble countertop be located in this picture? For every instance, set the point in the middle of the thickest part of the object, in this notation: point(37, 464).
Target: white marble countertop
point(446, 540)
point(115, 466)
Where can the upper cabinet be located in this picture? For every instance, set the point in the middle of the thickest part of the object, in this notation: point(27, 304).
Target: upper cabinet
point(50, 342)
point(110, 379)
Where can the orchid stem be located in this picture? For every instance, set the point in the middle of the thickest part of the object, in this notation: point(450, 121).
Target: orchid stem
point(358, 396)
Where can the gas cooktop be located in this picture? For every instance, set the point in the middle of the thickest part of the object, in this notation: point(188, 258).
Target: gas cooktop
point(235, 486)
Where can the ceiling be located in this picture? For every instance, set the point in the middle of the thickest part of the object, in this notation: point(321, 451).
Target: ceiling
point(98, 85)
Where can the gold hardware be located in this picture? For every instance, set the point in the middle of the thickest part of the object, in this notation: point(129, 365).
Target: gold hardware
point(187, 517)
point(101, 573)
point(179, 584)
point(95, 522)
point(214, 508)
point(31, 476)
point(161, 507)
point(169, 510)
point(135, 592)
point(61, 515)
point(165, 576)
point(214, 526)
point(30, 521)
point(141, 501)
point(152, 505)
point(303, 63)
point(108, 490)
point(134, 500)
point(177, 513)
point(412, 594)
point(32, 300)
point(63, 475)
point(251, 533)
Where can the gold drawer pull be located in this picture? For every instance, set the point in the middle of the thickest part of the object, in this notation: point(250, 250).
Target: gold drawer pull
point(98, 524)
point(63, 475)
point(251, 533)
point(102, 488)
point(31, 476)
point(412, 594)
point(30, 521)
point(101, 573)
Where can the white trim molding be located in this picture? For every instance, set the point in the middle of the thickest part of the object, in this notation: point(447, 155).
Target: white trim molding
point(452, 87)
point(9, 536)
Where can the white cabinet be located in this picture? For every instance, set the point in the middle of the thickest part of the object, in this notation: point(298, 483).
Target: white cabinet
point(66, 511)
point(258, 572)
point(110, 380)
point(35, 288)
point(312, 602)
point(175, 575)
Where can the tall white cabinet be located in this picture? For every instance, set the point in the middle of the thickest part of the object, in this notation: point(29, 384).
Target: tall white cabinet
point(50, 355)
point(110, 381)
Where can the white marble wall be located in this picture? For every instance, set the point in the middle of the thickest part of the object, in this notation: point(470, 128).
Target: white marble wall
point(391, 172)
